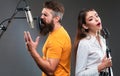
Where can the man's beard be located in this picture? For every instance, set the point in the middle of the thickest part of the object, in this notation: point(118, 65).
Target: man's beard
point(45, 28)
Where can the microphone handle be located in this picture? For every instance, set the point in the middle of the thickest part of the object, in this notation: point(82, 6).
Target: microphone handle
point(109, 68)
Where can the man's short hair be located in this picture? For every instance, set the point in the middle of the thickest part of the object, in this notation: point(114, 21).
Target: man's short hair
point(57, 7)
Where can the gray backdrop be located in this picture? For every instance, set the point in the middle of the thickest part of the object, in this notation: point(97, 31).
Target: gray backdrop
point(14, 57)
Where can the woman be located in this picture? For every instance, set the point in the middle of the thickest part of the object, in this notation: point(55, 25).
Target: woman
point(90, 46)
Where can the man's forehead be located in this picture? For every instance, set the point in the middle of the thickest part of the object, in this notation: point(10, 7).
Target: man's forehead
point(46, 10)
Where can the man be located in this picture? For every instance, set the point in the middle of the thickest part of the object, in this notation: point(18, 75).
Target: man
point(57, 48)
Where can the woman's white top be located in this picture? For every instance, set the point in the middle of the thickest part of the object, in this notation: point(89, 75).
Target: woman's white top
point(89, 56)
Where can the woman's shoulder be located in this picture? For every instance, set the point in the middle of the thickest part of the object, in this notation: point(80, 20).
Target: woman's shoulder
point(84, 42)
point(87, 40)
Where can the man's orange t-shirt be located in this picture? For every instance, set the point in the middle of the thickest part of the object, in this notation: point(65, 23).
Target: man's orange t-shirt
point(58, 45)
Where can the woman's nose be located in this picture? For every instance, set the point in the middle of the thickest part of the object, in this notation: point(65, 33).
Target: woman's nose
point(96, 19)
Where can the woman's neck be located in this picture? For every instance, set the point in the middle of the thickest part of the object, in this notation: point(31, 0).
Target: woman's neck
point(97, 36)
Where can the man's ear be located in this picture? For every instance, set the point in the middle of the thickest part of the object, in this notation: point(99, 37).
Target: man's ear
point(84, 26)
point(57, 18)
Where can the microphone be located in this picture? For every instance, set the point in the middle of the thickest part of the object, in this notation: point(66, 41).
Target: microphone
point(29, 17)
point(105, 33)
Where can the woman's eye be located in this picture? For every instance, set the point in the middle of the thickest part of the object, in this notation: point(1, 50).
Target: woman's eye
point(90, 19)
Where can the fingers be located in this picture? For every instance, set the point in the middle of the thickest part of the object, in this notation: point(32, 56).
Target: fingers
point(25, 36)
point(37, 39)
point(105, 58)
point(109, 59)
point(109, 62)
point(29, 36)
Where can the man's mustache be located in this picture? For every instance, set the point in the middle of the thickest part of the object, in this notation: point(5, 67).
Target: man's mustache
point(43, 27)
point(42, 24)
point(42, 21)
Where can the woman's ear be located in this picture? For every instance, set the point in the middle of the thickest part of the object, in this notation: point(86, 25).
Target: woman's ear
point(84, 26)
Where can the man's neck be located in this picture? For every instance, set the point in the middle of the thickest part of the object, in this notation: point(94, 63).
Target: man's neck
point(57, 25)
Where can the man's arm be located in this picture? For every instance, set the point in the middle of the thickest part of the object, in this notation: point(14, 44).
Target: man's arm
point(49, 65)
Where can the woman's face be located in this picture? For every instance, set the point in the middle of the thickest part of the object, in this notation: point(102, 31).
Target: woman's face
point(93, 22)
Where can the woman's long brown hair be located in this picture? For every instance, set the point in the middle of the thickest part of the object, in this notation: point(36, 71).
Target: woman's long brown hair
point(81, 32)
